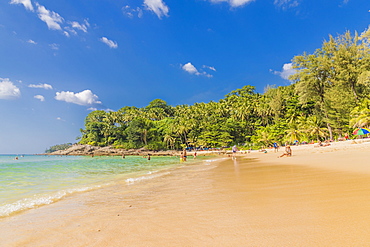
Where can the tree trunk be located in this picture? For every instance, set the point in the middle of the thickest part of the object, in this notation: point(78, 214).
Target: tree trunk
point(330, 131)
point(354, 91)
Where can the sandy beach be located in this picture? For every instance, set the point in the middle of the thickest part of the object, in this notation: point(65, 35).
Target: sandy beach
point(318, 197)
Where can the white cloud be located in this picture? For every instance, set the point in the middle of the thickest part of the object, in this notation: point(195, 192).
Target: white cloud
point(8, 90)
point(69, 31)
point(190, 68)
point(238, 3)
point(44, 86)
point(209, 67)
point(286, 72)
point(131, 12)
point(157, 6)
point(234, 3)
point(53, 20)
point(54, 46)
point(108, 42)
point(31, 42)
point(40, 97)
point(85, 97)
point(66, 33)
point(79, 26)
point(285, 4)
point(26, 3)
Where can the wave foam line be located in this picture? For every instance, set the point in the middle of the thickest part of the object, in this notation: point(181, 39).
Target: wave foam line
point(146, 177)
point(39, 200)
point(208, 162)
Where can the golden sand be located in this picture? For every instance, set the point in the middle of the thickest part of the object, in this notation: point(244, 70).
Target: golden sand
point(317, 197)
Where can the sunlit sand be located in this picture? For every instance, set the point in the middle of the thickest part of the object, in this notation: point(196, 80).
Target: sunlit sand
point(317, 197)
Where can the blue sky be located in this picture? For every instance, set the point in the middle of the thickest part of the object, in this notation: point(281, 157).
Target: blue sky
point(61, 59)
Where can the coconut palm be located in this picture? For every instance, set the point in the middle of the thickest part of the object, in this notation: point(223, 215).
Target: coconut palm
point(361, 115)
point(314, 128)
point(263, 136)
point(293, 133)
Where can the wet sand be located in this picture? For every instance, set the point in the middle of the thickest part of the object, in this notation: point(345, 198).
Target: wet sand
point(317, 197)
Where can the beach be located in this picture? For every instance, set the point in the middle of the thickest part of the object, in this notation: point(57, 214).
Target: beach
point(318, 197)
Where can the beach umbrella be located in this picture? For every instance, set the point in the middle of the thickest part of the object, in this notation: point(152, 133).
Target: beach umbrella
point(361, 131)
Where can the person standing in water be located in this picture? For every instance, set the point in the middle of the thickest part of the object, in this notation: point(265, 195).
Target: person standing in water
point(234, 149)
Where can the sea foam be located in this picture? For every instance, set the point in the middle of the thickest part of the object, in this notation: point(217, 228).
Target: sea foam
point(150, 175)
point(38, 200)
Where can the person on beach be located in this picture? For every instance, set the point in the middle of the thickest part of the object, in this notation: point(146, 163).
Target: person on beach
point(184, 155)
point(320, 144)
point(326, 143)
point(276, 147)
point(195, 155)
point(149, 156)
point(288, 152)
point(234, 149)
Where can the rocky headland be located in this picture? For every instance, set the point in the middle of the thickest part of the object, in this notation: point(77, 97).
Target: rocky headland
point(88, 150)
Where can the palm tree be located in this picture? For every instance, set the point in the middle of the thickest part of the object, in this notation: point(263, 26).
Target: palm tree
point(293, 133)
point(170, 141)
point(314, 127)
point(361, 115)
point(263, 136)
point(264, 111)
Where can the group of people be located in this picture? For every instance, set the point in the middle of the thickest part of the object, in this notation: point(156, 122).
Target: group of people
point(320, 144)
point(145, 156)
point(184, 156)
point(288, 150)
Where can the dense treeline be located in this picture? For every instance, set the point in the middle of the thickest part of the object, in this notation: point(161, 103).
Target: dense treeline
point(58, 147)
point(329, 97)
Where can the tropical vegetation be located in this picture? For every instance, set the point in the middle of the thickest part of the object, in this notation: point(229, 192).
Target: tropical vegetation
point(58, 147)
point(328, 97)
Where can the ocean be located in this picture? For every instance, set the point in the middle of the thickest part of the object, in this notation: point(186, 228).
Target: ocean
point(33, 180)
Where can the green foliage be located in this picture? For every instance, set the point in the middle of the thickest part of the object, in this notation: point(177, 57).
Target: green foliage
point(328, 97)
point(360, 115)
point(156, 146)
point(58, 147)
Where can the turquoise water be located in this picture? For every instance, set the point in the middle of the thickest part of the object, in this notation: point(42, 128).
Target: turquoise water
point(32, 181)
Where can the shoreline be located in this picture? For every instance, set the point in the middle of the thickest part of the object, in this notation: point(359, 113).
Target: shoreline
point(317, 197)
point(88, 150)
point(11, 206)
